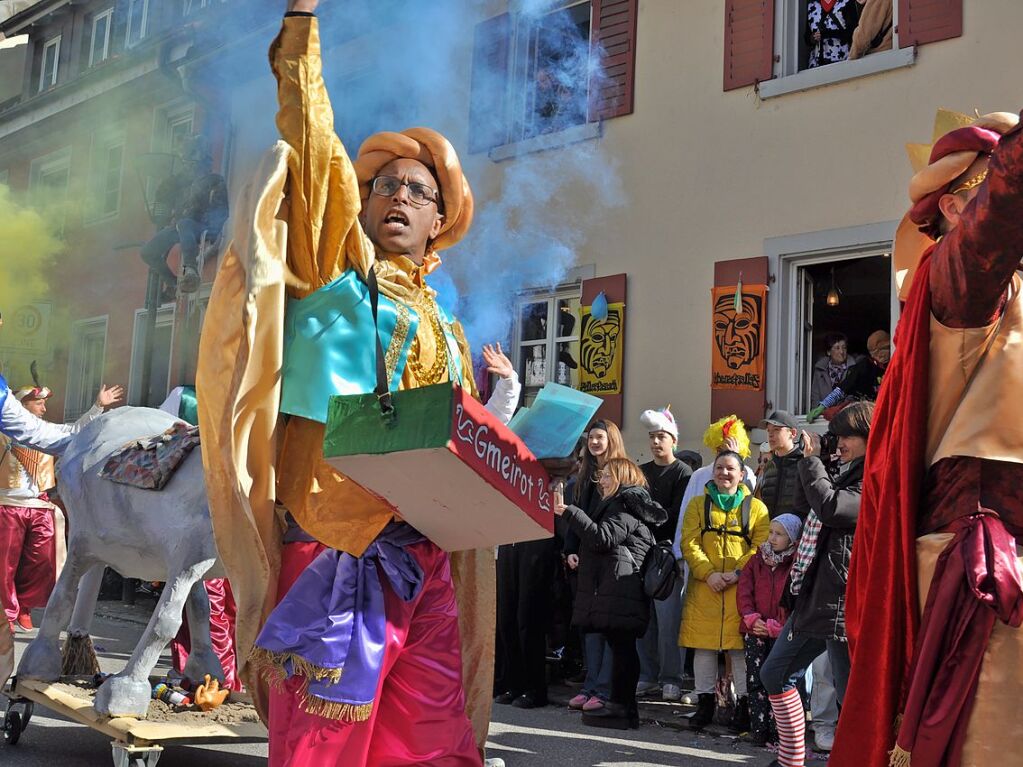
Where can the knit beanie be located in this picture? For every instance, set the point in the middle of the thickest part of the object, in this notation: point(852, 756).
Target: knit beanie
point(793, 526)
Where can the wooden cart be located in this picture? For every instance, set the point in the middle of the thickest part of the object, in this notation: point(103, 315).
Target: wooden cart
point(135, 742)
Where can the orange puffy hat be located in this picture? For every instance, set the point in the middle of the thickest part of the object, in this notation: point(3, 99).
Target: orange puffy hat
point(435, 152)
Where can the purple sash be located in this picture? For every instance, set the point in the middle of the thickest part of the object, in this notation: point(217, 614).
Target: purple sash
point(331, 626)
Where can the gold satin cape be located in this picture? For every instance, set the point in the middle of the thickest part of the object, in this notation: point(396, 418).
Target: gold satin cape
point(295, 229)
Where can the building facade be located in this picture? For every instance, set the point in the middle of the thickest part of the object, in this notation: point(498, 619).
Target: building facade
point(703, 150)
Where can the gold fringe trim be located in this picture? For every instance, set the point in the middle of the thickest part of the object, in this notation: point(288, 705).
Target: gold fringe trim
point(899, 758)
point(271, 665)
point(328, 709)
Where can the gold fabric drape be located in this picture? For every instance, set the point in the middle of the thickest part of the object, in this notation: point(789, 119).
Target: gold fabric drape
point(295, 230)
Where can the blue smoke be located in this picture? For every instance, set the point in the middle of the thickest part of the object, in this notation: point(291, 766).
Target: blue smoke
point(393, 64)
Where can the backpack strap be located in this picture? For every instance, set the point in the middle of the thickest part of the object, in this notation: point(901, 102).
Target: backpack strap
point(746, 513)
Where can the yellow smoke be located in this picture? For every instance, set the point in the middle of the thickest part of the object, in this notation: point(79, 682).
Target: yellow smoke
point(28, 247)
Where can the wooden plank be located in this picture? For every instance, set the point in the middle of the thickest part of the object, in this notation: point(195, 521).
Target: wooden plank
point(137, 732)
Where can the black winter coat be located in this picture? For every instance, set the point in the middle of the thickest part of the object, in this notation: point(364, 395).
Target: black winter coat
point(779, 487)
point(613, 545)
point(820, 605)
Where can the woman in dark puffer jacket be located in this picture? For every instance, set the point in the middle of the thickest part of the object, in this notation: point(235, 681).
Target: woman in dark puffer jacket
point(610, 597)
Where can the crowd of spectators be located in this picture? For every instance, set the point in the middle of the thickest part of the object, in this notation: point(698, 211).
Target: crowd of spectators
point(762, 561)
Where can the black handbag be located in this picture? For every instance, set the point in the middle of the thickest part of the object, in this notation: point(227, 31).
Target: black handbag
point(660, 572)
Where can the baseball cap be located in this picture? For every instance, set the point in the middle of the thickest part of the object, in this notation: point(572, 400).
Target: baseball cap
point(780, 418)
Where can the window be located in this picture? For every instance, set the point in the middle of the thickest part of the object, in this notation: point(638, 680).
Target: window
point(558, 63)
point(85, 366)
point(159, 377)
point(99, 49)
point(835, 281)
point(104, 199)
point(48, 184)
point(771, 43)
point(547, 340)
point(49, 63)
point(536, 75)
point(138, 21)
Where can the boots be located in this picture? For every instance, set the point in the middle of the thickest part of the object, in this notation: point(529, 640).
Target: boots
point(740, 720)
point(704, 711)
point(791, 720)
point(614, 716)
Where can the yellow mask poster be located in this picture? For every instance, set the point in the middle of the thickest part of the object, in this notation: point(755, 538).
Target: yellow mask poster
point(737, 356)
point(600, 351)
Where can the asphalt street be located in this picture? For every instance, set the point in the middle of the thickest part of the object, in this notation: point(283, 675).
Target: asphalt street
point(539, 737)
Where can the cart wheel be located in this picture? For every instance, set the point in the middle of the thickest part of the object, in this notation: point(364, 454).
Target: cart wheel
point(26, 714)
point(12, 727)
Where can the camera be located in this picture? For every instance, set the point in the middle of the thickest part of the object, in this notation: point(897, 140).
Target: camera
point(829, 444)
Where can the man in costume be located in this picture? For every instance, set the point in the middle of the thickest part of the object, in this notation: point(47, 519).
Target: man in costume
point(20, 426)
point(941, 511)
point(31, 526)
point(369, 672)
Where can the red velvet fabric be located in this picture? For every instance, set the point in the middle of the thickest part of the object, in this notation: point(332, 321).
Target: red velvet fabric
point(223, 612)
point(881, 595)
point(976, 582)
point(28, 558)
point(419, 713)
point(968, 139)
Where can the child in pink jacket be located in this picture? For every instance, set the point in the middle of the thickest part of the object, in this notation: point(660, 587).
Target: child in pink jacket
point(761, 585)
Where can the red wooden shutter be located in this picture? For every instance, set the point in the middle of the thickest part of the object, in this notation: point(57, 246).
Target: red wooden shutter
point(613, 42)
point(491, 46)
point(927, 21)
point(749, 42)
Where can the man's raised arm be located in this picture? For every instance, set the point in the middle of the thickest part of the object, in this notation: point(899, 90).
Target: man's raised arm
point(976, 260)
point(323, 197)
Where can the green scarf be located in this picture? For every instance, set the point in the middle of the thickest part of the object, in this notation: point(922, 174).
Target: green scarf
point(725, 502)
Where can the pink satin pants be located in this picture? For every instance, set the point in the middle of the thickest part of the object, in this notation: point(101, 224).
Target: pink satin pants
point(222, 618)
point(419, 712)
point(28, 565)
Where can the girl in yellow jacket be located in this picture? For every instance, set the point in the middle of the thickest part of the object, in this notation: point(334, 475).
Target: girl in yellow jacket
point(721, 530)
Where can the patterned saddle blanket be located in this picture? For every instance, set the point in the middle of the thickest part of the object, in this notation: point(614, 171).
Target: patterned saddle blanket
point(150, 463)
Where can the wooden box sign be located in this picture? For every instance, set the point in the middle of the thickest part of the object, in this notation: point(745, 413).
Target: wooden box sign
point(449, 467)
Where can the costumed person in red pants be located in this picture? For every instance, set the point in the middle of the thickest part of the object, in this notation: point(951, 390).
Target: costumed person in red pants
point(378, 644)
point(20, 426)
point(942, 510)
point(32, 543)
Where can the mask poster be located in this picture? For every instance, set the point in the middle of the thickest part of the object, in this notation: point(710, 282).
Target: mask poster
point(737, 356)
point(600, 351)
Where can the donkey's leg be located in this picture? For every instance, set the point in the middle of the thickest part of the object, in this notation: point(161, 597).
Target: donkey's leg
point(128, 693)
point(202, 659)
point(85, 604)
point(79, 653)
point(42, 658)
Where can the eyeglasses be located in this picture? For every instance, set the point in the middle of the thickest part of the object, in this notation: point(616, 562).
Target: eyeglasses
point(419, 195)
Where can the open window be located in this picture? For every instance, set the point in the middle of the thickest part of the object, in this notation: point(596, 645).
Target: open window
point(547, 340)
point(831, 281)
point(783, 46)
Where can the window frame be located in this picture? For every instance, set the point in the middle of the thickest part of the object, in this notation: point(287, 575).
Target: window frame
point(143, 26)
point(164, 317)
point(786, 256)
point(551, 296)
point(76, 400)
point(108, 14)
point(788, 78)
point(102, 144)
point(520, 90)
point(45, 165)
point(53, 42)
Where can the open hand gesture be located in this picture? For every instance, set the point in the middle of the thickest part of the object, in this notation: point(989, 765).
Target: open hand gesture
point(109, 395)
point(497, 362)
point(303, 6)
